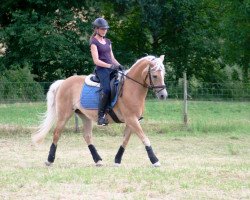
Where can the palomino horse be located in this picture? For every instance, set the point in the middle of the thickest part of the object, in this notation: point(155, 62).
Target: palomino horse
point(63, 100)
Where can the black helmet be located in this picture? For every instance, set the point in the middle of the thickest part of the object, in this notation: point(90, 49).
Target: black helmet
point(100, 23)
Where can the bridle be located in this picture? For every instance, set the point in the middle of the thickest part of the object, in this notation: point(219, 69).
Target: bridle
point(150, 85)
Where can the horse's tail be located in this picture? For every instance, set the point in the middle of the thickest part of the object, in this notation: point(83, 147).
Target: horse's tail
point(49, 116)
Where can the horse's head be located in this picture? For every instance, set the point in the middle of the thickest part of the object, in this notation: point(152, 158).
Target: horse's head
point(155, 77)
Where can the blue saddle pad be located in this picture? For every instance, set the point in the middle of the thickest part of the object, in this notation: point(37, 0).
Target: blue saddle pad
point(90, 97)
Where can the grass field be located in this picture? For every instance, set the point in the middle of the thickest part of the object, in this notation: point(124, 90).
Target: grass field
point(208, 159)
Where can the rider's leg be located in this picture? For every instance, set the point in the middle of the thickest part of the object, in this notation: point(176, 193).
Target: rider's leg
point(102, 108)
point(104, 76)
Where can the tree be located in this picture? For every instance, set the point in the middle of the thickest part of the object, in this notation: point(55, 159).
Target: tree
point(186, 31)
point(50, 38)
point(236, 37)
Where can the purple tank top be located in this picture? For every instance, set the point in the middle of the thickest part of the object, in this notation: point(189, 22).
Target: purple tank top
point(104, 50)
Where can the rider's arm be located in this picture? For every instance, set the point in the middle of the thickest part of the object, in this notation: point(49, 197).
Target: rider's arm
point(95, 56)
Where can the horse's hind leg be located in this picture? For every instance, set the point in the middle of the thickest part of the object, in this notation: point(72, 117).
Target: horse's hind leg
point(88, 126)
point(61, 121)
point(118, 157)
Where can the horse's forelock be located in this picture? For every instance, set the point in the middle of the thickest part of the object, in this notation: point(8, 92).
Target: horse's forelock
point(157, 64)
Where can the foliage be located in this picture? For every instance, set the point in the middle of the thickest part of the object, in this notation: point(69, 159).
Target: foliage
point(183, 30)
point(18, 85)
point(236, 29)
point(51, 39)
point(196, 36)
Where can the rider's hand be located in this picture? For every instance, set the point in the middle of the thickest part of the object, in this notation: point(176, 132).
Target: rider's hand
point(117, 67)
point(121, 67)
point(114, 67)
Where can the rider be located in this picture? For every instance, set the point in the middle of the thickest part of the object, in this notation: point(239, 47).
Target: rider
point(103, 57)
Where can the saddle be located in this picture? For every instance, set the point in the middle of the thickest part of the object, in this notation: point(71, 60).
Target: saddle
point(114, 83)
point(91, 89)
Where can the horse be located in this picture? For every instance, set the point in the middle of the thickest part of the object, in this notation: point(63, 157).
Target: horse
point(63, 101)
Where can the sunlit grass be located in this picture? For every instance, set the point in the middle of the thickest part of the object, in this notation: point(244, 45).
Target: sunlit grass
point(208, 159)
point(208, 167)
point(163, 117)
point(203, 117)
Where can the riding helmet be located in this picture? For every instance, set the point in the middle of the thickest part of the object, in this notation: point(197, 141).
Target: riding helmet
point(100, 23)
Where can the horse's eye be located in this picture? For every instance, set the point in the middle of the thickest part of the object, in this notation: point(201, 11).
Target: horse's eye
point(155, 76)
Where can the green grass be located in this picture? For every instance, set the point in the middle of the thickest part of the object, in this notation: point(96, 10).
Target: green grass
point(21, 114)
point(163, 117)
point(208, 159)
point(203, 117)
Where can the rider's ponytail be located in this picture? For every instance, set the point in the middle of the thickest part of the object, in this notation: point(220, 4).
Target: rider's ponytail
point(92, 36)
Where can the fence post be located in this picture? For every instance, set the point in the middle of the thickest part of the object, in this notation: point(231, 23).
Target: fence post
point(76, 118)
point(185, 114)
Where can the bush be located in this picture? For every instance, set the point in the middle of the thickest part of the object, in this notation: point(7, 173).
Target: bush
point(19, 85)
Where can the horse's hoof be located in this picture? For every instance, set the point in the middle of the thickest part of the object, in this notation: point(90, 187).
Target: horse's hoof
point(117, 164)
point(47, 163)
point(157, 164)
point(99, 163)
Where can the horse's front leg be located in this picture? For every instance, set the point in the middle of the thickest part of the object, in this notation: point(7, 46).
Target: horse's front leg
point(135, 126)
point(118, 157)
point(88, 126)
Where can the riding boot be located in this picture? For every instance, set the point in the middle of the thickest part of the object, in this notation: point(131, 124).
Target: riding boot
point(101, 109)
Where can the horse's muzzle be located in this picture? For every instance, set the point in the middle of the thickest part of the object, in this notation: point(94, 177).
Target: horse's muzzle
point(162, 95)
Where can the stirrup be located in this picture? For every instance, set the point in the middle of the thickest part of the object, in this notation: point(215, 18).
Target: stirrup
point(102, 121)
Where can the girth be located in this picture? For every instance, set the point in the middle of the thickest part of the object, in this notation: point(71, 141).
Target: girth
point(114, 116)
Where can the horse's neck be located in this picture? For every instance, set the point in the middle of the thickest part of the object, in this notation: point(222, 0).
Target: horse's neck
point(135, 73)
point(136, 70)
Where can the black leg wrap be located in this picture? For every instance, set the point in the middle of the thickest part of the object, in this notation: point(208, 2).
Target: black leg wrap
point(151, 155)
point(52, 153)
point(118, 157)
point(94, 153)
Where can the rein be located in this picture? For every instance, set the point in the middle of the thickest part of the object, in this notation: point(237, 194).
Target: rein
point(145, 85)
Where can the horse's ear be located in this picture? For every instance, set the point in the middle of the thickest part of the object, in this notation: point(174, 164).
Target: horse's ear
point(162, 57)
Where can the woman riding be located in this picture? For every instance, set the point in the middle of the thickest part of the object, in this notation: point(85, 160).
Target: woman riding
point(103, 57)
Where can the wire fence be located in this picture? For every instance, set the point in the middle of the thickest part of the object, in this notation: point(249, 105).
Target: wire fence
point(228, 91)
point(13, 92)
point(19, 92)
